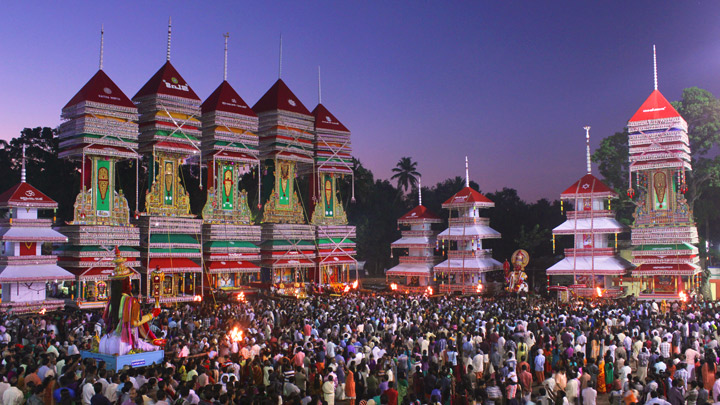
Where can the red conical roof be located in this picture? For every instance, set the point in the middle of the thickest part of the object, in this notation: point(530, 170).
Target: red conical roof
point(324, 119)
point(167, 81)
point(25, 195)
point(279, 97)
point(226, 99)
point(586, 186)
point(101, 89)
point(467, 196)
point(419, 213)
point(655, 107)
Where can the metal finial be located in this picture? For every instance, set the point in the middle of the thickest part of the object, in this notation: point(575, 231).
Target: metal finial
point(23, 173)
point(169, 37)
point(587, 148)
point(655, 65)
point(467, 173)
point(226, 35)
point(280, 60)
point(102, 44)
point(419, 190)
point(319, 87)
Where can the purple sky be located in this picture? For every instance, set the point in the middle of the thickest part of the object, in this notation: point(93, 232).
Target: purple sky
point(511, 83)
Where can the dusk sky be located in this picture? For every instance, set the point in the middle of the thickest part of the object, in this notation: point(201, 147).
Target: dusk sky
point(508, 83)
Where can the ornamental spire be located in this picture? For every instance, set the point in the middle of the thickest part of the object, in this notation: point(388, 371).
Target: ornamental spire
point(467, 175)
point(280, 60)
point(169, 38)
point(419, 190)
point(226, 35)
point(102, 44)
point(23, 173)
point(655, 66)
point(587, 148)
point(319, 87)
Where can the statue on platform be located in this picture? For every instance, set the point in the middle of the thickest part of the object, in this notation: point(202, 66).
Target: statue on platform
point(517, 279)
point(126, 331)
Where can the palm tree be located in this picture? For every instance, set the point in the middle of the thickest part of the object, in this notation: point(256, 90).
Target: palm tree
point(406, 173)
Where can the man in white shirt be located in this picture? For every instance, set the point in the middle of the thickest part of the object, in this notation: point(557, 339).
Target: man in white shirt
point(589, 394)
point(88, 390)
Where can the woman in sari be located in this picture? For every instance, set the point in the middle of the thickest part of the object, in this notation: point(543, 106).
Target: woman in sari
point(708, 372)
point(601, 376)
point(609, 371)
point(402, 387)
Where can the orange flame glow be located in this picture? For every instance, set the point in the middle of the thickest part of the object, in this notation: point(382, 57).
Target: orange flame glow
point(429, 291)
point(683, 297)
point(236, 334)
point(355, 284)
point(393, 286)
point(240, 297)
point(598, 291)
point(197, 298)
point(479, 288)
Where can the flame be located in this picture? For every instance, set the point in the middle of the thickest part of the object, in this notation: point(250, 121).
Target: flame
point(598, 291)
point(429, 291)
point(355, 284)
point(236, 334)
point(479, 288)
point(683, 297)
point(43, 311)
point(240, 297)
point(346, 289)
point(393, 286)
point(197, 298)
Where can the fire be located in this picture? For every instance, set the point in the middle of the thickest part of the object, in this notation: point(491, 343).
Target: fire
point(43, 311)
point(240, 297)
point(479, 288)
point(393, 286)
point(429, 291)
point(683, 297)
point(236, 334)
point(598, 291)
point(197, 298)
point(355, 285)
point(346, 289)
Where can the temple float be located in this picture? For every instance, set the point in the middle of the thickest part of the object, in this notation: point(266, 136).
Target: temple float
point(26, 275)
point(100, 130)
point(593, 261)
point(169, 137)
point(230, 151)
point(127, 339)
point(335, 239)
point(467, 262)
point(664, 233)
point(414, 273)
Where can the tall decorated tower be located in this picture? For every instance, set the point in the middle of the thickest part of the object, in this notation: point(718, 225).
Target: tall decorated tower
point(286, 149)
point(414, 272)
point(333, 161)
point(25, 272)
point(664, 232)
point(169, 136)
point(593, 261)
point(467, 261)
point(100, 130)
point(230, 150)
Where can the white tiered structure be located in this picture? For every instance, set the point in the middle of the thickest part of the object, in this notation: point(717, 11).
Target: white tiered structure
point(467, 261)
point(24, 271)
point(414, 273)
point(593, 260)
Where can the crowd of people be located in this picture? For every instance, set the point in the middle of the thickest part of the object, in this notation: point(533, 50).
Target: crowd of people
point(374, 349)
